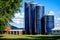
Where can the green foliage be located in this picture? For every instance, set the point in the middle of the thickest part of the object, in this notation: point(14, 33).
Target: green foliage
point(7, 10)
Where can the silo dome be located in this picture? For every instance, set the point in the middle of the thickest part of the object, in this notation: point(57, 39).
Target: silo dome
point(50, 13)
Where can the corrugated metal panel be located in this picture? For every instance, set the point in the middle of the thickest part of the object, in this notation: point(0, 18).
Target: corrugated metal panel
point(49, 23)
point(27, 17)
point(32, 17)
point(39, 15)
point(43, 25)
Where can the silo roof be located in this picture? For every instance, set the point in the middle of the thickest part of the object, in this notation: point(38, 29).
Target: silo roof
point(50, 13)
point(39, 5)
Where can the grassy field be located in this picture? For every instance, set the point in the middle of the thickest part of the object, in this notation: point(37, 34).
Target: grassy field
point(29, 37)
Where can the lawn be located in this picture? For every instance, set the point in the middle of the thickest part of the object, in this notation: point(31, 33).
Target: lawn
point(32, 37)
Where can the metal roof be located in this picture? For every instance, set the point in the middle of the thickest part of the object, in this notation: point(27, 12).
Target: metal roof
point(16, 30)
point(56, 28)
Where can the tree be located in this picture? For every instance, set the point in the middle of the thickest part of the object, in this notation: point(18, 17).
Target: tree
point(7, 10)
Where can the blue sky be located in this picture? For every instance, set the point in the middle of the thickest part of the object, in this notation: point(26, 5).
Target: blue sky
point(50, 5)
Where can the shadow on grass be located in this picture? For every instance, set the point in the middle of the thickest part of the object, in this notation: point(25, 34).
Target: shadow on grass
point(34, 38)
point(15, 39)
point(1, 36)
point(45, 37)
point(28, 39)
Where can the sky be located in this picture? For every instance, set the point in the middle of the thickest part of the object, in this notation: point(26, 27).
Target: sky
point(50, 5)
point(18, 20)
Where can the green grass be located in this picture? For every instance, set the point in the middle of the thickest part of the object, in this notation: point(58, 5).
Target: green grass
point(32, 37)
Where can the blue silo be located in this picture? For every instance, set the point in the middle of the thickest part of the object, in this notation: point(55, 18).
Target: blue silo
point(27, 9)
point(43, 25)
point(39, 14)
point(49, 23)
point(32, 17)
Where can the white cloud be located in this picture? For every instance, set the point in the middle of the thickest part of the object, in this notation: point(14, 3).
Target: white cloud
point(59, 12)
point(18, 15)
point(58, 19)
point(18, 20)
